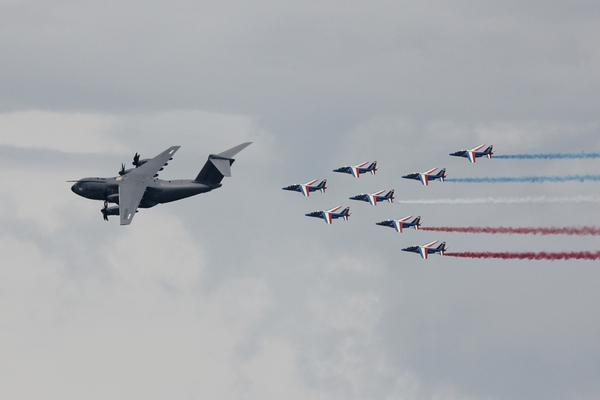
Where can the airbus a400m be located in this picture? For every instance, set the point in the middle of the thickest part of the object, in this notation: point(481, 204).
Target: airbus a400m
point(139, 187)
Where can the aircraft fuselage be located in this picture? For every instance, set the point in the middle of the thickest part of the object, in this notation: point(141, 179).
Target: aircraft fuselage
point(158, 190)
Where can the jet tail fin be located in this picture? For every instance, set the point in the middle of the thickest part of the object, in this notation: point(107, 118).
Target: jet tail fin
point(489, 151)
point(416, 222)
point(442, 248)
point(442, 174)
point(373, 167)
point(323, 185)
point(390, 196)
point(346, 213)
point(218, 166)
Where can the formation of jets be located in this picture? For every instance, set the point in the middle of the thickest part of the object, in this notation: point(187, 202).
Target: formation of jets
point(331, 214)
point(373, 198)
point(139, 187)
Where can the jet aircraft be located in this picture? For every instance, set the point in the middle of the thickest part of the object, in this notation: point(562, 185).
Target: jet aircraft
point(331, 214)
point(398, 224)
point(427, 249)
point(356, 170)
point(474, 153)
point(427, 176)
point(306, 188)
point(375, 197)
point(139, 187)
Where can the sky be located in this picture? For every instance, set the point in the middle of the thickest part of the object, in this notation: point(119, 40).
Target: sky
point(235, 293)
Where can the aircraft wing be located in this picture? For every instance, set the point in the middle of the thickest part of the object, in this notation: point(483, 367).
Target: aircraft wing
point(133, 184)
point(429, 245)
point(398, 225)
point(305, 188)
point(131, 192)
point(151, 167)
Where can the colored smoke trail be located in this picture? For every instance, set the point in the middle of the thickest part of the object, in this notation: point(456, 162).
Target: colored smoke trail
point(505, 200)
point(530, 179)
point(586, 230)
point(580, 255)
point(549, 156)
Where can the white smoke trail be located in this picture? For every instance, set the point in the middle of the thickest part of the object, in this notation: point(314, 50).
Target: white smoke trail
point(506, 200)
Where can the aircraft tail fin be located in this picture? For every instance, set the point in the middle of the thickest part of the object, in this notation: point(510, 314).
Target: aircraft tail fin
point(489, 151)
point(390, 196)
point(323, 185)
point(442, 174)
point(416, 222)
point(442, 248)
point(346, 213)
point(373, 167)
point(218, 166)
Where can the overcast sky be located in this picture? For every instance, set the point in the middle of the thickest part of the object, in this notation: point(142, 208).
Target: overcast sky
point(235, 293)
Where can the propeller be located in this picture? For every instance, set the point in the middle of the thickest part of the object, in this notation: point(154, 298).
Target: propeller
point(136, 160)
point(122, 171)
point(105, 211)
point(105, 196)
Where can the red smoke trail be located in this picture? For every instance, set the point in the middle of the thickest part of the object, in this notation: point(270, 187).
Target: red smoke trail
point(580, 255)
point(586, 230)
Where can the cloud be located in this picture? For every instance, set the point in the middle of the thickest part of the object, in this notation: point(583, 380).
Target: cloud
point(68, 132)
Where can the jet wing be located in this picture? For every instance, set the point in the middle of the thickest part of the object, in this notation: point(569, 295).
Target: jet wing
point(481, 146)
point(305, 188)
point(133, 185)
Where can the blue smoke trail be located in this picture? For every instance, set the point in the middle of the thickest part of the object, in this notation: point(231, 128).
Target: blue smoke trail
point(550, 155)
point(531, 179)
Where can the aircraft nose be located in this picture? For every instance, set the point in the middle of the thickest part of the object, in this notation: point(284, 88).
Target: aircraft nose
point(75, 188)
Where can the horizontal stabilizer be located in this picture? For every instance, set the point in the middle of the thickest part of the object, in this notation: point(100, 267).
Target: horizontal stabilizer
point(234, 150)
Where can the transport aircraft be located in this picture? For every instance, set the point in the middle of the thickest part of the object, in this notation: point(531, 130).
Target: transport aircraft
point(139, 187)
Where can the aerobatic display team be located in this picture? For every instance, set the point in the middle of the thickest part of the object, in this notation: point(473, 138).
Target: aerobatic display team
point(140, 187)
